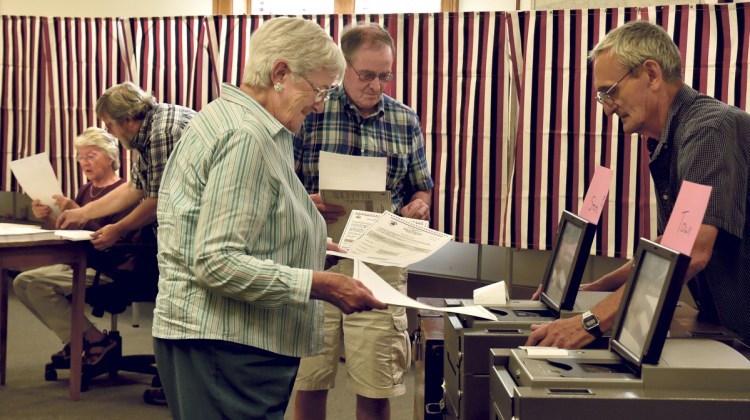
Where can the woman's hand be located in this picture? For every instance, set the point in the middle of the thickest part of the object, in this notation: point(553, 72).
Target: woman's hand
point(64, 203)
point(41, 211)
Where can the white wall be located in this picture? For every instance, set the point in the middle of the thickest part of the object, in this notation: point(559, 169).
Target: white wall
point(100, 8)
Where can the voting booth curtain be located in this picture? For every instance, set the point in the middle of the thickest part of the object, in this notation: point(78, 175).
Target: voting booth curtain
point(512, 131)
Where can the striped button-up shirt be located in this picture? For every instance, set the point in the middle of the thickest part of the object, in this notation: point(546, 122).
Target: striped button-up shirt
point(238, 235)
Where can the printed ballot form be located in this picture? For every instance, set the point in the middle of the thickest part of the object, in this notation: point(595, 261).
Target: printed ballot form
point(38, 180)
point(394, 241)
point(354, 183)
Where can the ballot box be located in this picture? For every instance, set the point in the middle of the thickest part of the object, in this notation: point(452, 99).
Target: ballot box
point(641, 375)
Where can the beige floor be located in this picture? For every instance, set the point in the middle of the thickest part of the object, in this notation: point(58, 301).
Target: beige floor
point(27, 395)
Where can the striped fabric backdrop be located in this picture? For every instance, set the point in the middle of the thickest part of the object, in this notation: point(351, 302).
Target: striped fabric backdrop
point(505, 99)
point(563, 134)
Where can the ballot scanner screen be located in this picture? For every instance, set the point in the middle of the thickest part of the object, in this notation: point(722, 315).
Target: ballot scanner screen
point(562, 262)
point(639, 321)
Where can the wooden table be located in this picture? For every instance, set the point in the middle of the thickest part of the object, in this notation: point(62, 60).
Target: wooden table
point(32, 254)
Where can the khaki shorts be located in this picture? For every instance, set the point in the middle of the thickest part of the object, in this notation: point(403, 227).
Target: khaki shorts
point(376, 345)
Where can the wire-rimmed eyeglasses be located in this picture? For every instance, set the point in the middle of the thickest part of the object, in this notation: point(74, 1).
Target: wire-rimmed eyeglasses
point(320, 93)
point(368, 76)
point(605, 98)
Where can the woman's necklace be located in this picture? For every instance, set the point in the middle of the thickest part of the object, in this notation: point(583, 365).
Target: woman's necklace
point(101, 190)
point(91, 191)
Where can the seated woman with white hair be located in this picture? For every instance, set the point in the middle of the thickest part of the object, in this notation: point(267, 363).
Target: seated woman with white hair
point(241, 243)
point(44, 290)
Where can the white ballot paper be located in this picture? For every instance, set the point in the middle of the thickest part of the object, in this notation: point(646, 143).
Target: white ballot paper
point(385, 293)
point(395, 241)
point(38, 180)
point(352, 182)
point(493, 294)
point(75, 235)
point(360, 220)
point(347, 172)
point(543, 351)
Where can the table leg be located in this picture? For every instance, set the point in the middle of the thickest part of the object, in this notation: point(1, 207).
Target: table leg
point(4, 279)
point(76, 329)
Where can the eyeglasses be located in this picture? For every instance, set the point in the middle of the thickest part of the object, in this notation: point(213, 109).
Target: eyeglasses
point(320, 93)
point(89, 157)
point(368, 76)
point(605, 98)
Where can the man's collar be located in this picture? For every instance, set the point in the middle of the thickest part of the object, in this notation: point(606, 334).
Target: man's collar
point(684, 97)
point(140, 141)
point(340, 95)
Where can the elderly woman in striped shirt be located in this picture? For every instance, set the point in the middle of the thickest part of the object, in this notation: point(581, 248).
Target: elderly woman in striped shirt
point(241, 244)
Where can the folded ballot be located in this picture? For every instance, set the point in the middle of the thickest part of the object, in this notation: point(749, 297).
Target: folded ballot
point(493, 294)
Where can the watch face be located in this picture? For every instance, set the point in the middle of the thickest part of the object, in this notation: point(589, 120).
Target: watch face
point(590, 321)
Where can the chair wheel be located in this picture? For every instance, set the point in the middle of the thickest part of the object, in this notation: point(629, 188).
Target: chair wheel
point(156, 382)
point(50, 374)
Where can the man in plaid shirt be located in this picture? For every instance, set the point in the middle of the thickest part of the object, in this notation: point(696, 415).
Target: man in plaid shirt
point(360, 120)
point(138, 122)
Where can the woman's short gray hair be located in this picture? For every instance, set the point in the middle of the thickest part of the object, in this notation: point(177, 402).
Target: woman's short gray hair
point(638, 41)
point(125, 101)
point(301, 43)
point(97, 137)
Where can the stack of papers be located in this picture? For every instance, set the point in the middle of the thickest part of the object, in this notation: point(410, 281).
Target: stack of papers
point(388, 239)
point(10, 232)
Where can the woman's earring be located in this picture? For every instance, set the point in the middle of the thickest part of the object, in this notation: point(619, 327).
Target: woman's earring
point(278, 87)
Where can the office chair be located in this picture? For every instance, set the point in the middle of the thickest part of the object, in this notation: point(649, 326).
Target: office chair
point(134, 279)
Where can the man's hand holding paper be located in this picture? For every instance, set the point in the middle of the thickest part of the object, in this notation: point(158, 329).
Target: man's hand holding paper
point(330, 212)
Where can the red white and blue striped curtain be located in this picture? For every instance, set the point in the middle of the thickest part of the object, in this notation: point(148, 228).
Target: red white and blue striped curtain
point(505, 100)
point(563, 135)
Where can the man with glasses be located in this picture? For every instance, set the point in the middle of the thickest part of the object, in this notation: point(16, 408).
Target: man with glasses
point(690, 136)
point(359, 119)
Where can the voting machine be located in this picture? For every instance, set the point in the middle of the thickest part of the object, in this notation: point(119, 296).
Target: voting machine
point(468, 339)
point(642, 375)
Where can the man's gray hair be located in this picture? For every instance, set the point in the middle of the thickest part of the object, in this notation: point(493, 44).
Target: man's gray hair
point(125, 101)
point(97, 137)
point(364, 34)
point(301, 43)
point(637, 41)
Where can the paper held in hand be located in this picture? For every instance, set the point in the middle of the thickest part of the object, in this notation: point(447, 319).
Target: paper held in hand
point(75, 235)
point(38, 180)
point(390, 240)
point(354, 183)
point(385, 293)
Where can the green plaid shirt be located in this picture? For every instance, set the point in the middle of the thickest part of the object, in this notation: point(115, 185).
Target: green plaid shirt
point(393, 131)
point(154, 142)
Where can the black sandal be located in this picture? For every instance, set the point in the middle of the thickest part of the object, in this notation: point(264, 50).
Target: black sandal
point(62, 356)
point(93, 358)
point(155, 396)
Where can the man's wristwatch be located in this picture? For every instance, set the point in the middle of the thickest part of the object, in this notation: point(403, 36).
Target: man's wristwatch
point(591, 324)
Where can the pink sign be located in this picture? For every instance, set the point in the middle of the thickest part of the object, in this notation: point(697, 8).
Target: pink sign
point(686, 217)
point(596, 196)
